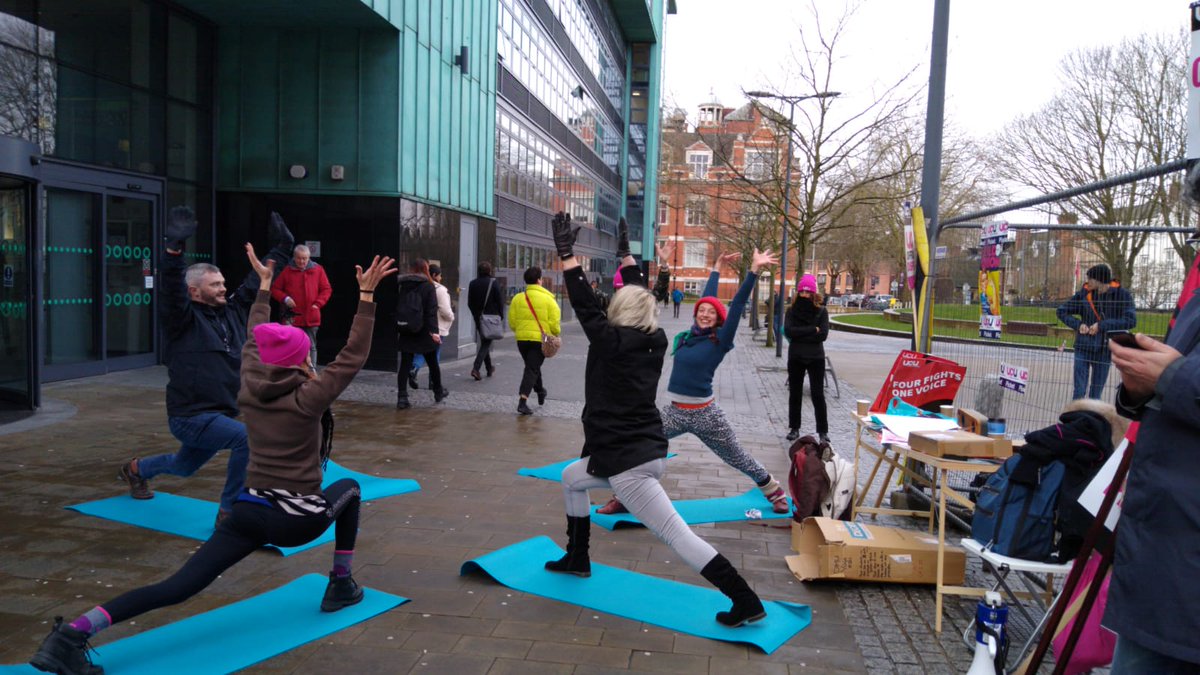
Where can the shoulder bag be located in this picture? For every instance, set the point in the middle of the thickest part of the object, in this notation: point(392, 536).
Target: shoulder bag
point(491, 326)
point(550, 343)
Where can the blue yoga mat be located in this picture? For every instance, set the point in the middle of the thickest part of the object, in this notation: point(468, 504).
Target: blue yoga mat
point(193, 518)
point(693, 511)
point(236, 636)
point(670, 604)
point(554, 471)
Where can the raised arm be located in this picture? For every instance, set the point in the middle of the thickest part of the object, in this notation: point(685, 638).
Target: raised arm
point(260, 311)
point(172, 295)
point(760, 260)
point(280, 254)
point(587, 308)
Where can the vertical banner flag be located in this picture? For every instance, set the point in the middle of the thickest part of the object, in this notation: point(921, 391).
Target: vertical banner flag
point(1193, 106)
point(1014, 378)
point(922, 380)
point(991, 239)
point(910, 248)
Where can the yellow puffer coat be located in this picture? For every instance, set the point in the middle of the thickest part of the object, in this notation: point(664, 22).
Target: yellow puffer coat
point(521, 319)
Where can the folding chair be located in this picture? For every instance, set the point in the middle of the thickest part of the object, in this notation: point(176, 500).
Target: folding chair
point(1000, 566)
point(837, 388)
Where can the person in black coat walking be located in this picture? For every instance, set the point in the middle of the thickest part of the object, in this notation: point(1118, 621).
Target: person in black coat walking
point(484, 296)
point(624, 445)
point(806, 326)
point(417, 331)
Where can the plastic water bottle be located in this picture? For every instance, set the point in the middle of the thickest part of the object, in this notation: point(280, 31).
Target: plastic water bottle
point(991, 617)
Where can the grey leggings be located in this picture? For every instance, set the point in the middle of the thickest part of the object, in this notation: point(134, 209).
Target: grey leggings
point(711, 427)
point(641, 493)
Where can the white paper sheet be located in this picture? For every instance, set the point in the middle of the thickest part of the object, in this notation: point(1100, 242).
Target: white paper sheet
point(1093, 494)
point(902, 426)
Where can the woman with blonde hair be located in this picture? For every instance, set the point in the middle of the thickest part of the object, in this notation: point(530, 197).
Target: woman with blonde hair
point(624, 446)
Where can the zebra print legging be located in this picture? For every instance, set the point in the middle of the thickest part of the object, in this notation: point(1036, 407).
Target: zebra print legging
point(710, 426)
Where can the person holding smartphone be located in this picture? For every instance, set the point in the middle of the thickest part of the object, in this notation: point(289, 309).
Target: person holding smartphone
point(1101, 306)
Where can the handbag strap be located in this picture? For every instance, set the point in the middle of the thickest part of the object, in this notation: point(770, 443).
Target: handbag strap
point(486, 296)
point(535, 316)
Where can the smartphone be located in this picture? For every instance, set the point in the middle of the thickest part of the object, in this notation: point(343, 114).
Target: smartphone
point(1124, 338)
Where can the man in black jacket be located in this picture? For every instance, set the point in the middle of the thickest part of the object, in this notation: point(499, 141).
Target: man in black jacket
point(484, 296)
point(205, 328)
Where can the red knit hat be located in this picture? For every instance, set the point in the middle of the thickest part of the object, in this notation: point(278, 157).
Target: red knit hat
point(716, 304)
point(280, 345)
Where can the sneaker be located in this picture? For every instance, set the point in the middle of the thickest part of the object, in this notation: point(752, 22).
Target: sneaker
point(779, 501)
point(139, 488)
point(412, 380)
point(793, 434)
point(541, 394)
point(341, 593)
point(65, 651)
point(612, 506)
point(523, 408)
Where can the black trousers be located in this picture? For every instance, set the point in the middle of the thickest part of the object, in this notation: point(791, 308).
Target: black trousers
point(249, 527)
point(406, 364)
point(531, 354)
point(483, 357)
point(815, 369)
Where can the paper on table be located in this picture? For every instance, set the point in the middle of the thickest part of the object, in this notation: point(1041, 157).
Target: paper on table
point(890, 438)
point(902, 426)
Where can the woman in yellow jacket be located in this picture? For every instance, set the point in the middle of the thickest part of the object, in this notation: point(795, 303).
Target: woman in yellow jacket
point(529, 309)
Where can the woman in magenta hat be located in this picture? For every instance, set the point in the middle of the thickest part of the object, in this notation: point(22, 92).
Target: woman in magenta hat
point(698, 351)
point(806, 326)
point(282, 502)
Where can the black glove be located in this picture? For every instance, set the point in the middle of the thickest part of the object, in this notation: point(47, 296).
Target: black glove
point(181, 225)
point(623, 238)
point(564, 235)
point(281, 236)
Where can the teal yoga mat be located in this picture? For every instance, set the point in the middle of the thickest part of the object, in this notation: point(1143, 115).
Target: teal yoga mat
point(554, 471)
point(669, 604)
point(236, 636)
point(193, 518)
point(693, 511)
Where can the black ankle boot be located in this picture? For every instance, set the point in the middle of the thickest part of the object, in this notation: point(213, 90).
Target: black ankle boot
point(579, 533)
point(341, 592)
point(65, 651)
point(523, 407)
point(747, 608)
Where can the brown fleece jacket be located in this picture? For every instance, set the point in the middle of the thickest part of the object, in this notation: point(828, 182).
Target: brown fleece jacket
point(282, 406)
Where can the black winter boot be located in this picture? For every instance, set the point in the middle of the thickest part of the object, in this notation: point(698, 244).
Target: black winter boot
point(579, 533)
point(64, 651)
point(341, 592)
point(747, 608)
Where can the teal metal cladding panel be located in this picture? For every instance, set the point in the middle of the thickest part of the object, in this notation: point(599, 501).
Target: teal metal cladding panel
point(392, 108)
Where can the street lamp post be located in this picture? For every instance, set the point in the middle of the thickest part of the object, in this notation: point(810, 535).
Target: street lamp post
point(787, 200)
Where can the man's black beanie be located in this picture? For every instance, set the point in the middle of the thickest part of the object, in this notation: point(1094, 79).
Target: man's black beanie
point(1100, 273)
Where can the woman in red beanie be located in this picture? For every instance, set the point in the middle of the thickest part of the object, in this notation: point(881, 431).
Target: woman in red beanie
point(698, 352)
point(282, 502)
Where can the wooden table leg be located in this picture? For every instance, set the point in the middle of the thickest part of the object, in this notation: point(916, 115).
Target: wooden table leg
point(941, 554)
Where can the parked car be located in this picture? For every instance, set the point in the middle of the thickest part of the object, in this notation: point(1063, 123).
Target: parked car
point(835, 301)
point(854, 299)
point(878, 302)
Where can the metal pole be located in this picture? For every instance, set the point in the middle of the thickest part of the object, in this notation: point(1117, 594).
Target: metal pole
point(932, 169)
point(787, 207)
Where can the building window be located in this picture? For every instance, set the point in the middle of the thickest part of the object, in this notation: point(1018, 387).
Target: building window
point(662, 213)
point(695, 254)
point(759, 162)
point(697, 212)
point(691, 287)
point(699, 162)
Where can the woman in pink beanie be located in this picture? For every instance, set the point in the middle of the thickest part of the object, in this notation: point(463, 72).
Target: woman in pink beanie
point(282, 502)
point(806, 326)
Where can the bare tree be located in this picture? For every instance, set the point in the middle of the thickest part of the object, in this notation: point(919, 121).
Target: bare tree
point(1118, 110)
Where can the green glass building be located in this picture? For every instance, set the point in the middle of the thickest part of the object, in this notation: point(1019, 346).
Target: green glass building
point(444, 129)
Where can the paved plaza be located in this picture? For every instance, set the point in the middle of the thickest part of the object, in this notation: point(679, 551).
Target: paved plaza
point(465, 453)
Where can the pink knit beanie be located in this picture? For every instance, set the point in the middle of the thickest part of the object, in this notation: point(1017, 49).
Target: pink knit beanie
point(280, 345)
point(617, 280)
point(808, 283)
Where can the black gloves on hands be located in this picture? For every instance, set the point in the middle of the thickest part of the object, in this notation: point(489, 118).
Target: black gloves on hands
point(181, 225)
point(623, 238)
point(281, 236)
point(564, 235)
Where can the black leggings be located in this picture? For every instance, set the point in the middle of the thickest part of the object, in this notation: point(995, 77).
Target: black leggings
point(815, 369)
point(531, 354)
point(249, 527)
point(406, 364)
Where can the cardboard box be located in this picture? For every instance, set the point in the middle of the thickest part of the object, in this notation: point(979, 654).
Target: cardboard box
point(957, 443)
point(836, 549)
point(972, 421)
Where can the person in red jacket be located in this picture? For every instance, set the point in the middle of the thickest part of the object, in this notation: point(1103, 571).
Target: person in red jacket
point(303, 289)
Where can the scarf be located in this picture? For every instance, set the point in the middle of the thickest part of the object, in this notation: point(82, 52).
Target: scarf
point(694, 331)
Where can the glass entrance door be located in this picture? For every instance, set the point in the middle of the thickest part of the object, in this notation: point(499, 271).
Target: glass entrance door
point(98, 281)
point(16, 353)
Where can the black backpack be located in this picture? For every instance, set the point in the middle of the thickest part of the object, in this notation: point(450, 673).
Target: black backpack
point(410, 311)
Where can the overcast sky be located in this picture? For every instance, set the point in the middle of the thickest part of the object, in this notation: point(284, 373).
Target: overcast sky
point(1002, 61)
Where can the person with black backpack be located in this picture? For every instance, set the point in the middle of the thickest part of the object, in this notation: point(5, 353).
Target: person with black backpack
point(417, 330)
